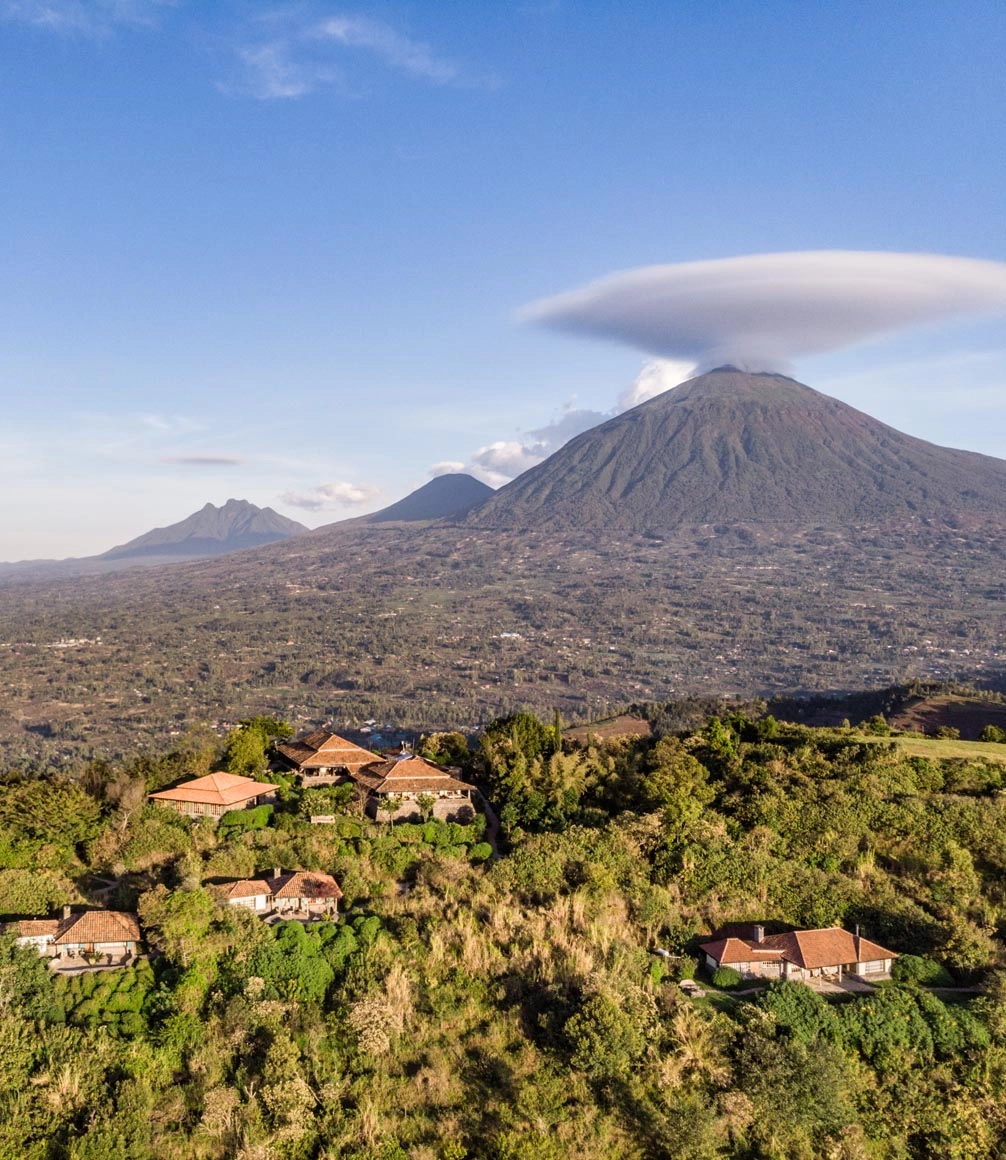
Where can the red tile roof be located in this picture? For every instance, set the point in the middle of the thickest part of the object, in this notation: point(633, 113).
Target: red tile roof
point(324, 750)
point(409, 775)
point(217, 789)
point(307, 884)
point(34, 927)
point(810, 949)
point(98, 926)
point(727, 951)
point(829, 947)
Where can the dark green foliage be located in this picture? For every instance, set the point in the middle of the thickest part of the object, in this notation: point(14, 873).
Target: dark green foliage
point(725, 978)
point(26, 985)
point(292, 964)
point(237, 822)
point(603, 1040)
point(799, 1012)
point(917, 969)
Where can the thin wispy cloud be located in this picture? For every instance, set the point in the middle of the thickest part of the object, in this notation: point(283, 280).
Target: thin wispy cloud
point(300, 54)
point(497, 463)
point(204, 460)
point(331, 495)
point(397, 51)
point(270, 72)
point(88, 17)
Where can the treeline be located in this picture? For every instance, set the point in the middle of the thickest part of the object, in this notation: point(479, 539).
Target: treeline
point(473, 1006)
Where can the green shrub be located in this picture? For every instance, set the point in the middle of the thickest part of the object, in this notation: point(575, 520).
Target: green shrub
point(480, 852)
point(924, 971)
point(131, 1023)
point(686, 968)
point(992, 733)
point(726, 977)
point(242, 821)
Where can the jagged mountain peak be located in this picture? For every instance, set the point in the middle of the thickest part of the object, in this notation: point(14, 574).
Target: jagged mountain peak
point(211, 531)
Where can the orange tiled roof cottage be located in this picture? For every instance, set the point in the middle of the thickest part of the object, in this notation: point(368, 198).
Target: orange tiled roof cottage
point(799, 954)
point(99, 932)
point(214, 795)
point(407, 778)
point(296, 890)
point(321, 756)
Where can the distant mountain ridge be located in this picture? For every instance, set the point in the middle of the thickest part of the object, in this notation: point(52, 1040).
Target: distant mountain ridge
point(733, 447)
point(211, 531)
point(452, 494)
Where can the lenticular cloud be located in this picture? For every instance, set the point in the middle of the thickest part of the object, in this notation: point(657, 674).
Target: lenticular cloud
point(761, 311)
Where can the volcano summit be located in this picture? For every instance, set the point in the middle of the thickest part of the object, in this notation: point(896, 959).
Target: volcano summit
point(732, 447)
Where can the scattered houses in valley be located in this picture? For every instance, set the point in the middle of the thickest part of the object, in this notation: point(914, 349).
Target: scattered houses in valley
point(799, 954)
point(215, 795)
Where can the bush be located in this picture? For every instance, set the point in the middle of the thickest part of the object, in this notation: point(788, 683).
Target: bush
point(924, 971)
point(480, 852)
point(992, 733)
point(686, 967)
point(241, 821)
point(947, 733)
point(725, 978)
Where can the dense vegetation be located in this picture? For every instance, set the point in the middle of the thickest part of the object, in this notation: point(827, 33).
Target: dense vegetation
point(468, 1005)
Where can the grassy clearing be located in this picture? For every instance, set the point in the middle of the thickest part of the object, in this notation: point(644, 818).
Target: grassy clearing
point(940, 748)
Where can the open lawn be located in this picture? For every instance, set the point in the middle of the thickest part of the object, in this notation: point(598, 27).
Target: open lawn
point(939, 748)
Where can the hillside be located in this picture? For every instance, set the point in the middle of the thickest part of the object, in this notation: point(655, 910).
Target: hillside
point(732, 447)
point(551, 999)
point(211, 531)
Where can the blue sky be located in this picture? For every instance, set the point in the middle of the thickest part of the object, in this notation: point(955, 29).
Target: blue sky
point(277, 251)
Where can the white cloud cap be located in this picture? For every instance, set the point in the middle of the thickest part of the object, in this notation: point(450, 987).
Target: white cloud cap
point(761, 311)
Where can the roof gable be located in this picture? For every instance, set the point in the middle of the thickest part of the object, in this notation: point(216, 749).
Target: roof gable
point(411, 774)
point(98, 926)
point(809, 949)
point(323, 748)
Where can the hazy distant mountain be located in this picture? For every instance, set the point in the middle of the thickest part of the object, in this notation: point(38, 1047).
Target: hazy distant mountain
point(211, 531)
point(446, 495)
point(733, 447)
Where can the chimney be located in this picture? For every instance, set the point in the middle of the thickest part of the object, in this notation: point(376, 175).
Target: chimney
point(759, 934)
point(857, 930)
point(277, 872)
point(66, 912)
